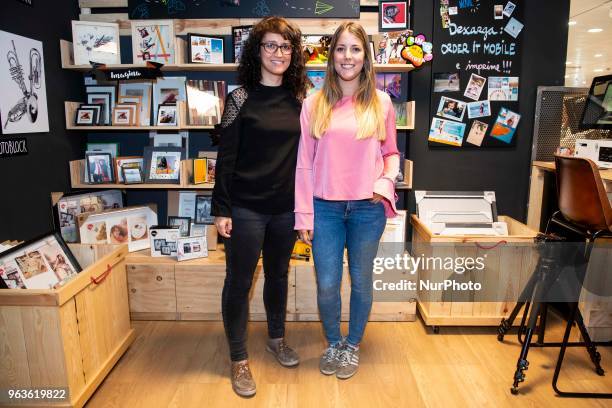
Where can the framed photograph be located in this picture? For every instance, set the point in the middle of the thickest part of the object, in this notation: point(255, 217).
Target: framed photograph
point(23, 105)
point(99, 168)
point(184, 224)
point(163, 164)
point(205, 109)
point(42, 263)
point(169, 90)
point(95, 42)
point(200, 171)
point(153, 40)
point(239, 36)
point(111, 89)
point(104, 101)
point(211, 166)
point(121, 161)
point(167, 115)
point(451, 109)
point(204, 49)
point(123, 116)
point(131, 173)
point(393, 15)
point(191, 248)
point(96, 108)
point(138, 89)
point(163, 240)
point(202, 212)
point(87, 116)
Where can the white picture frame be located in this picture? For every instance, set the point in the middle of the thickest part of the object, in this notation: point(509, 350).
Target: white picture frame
point(95, 42)
point(22, 111)
point(153, 40)
point(163, 88)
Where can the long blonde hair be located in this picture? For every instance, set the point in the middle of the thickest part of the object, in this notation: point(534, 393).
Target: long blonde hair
point(370, 120)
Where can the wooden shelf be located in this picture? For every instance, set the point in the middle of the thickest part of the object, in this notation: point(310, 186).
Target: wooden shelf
point(70, 113)
point(67, 58)
point(77, 169)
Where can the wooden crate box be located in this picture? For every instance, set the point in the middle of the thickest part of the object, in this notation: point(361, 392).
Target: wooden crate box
point(508, 269)
point(69, 337)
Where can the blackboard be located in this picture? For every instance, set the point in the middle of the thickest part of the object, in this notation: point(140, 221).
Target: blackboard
point(473, 37)
point(153, 9)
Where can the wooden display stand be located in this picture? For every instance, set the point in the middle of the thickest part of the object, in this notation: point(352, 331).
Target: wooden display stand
point(69, 337)
point(164, 289)
point(508, 269)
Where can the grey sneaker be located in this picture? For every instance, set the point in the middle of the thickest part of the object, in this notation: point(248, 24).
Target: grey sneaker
point(285, 355)
point(242, 379)
point(329, 360)
point(348, 362)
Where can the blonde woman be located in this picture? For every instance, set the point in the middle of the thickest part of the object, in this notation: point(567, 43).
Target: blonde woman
point(345, 177)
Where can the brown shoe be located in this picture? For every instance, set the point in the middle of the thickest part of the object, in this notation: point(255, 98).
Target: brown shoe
point(242, 379)
point(285, 355)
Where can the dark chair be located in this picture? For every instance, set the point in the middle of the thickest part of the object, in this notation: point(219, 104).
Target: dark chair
point(585, 212)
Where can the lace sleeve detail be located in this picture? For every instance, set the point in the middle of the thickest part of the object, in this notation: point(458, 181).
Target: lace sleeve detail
point(234, 103)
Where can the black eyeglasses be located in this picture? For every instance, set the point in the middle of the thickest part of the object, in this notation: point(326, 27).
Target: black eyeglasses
point(271, 48)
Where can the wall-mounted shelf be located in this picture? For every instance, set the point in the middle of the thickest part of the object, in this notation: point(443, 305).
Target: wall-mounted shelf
point(67, 59)
point(77, 169)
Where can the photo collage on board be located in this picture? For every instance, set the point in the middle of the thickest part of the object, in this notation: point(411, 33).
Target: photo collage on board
point(475, 79)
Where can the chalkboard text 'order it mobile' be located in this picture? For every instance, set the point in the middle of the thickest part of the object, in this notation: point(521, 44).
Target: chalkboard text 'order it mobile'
point(478, 45)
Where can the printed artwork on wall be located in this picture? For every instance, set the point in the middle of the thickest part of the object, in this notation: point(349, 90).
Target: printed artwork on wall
point(23, 100)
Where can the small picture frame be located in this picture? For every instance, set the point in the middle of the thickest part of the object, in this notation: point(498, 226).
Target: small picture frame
point(202, 210)
point(200, 173)
point(163, 164)
point(87, 116)
point(131, 173)
point(153, 40)
point(167, 115)
point(97, 108)
point(123, 116)
point(184, 224)
point(95, 42)
point(205, 49)
point(99, 168)
point(103, 99)
point(393, 15)
point(121, 161)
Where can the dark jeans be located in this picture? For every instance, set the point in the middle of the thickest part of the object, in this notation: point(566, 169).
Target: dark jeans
point(251, 234)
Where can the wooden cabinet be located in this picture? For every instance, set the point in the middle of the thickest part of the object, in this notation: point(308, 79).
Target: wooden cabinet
point(69, 337)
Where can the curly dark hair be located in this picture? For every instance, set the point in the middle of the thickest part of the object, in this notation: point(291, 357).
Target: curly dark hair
point(249, 69)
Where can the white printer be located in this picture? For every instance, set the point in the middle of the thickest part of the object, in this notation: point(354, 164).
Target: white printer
point(598, 150)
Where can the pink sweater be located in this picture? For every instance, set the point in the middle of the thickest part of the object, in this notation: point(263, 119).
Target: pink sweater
point(340, 167)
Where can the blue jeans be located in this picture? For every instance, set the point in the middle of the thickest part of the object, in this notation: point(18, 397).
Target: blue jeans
point(358, 226)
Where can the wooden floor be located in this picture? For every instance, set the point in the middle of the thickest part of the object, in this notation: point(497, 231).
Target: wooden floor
point(185, 364)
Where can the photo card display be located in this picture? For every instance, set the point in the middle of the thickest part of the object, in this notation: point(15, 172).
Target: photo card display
point(478, 109)
point(451, 108)
point(477, 133)
point(505, 125)
point(446, 82)
point(446, 132)
point(164, 240)
point(474, 87)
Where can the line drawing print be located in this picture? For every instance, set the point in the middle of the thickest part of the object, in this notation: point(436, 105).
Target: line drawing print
point(29, 103)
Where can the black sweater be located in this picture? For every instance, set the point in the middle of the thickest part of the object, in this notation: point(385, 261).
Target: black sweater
point(257, 155)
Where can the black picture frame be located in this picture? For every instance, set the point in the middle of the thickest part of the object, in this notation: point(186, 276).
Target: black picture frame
point(149, 152)
point(180, 222)
point(93, 177)
point(385, 6)
point(204, 202)
point(94, 117)
point(191, 36)
point(170, 106)
point(97, 107)
point(235, 29)
point(6, 255)
point(104, 108)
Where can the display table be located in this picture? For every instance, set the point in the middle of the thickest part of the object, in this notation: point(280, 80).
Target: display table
point(539, 170)
point(164, 289)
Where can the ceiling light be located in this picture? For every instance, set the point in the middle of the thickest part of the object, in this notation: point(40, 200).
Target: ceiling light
point(598, 55)
point(567, 76)
point(595, 30)
point(568, 62)
point(571, 23)
point(583, 82)
point(598, 70)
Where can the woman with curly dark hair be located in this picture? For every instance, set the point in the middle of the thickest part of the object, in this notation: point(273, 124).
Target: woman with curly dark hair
point(254, 187)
